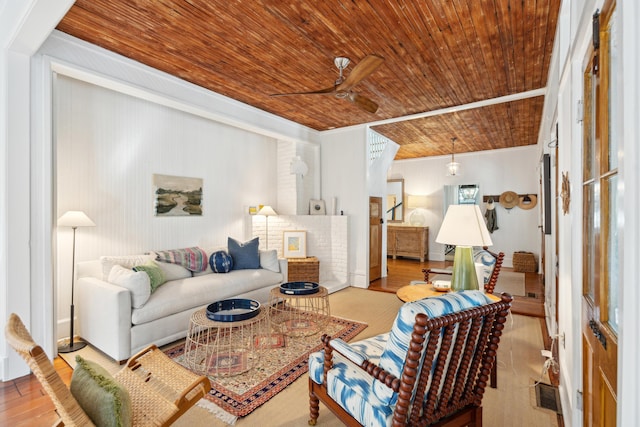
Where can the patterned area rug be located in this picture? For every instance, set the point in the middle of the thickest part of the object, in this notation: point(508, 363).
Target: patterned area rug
point(285, 361)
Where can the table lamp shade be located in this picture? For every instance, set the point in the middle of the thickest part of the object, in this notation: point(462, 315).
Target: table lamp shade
point(415, 201)
point(75, 219)
point(464, 227)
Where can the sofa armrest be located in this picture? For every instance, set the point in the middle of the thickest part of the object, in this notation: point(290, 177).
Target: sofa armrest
point(104, 316)
point(284, 268)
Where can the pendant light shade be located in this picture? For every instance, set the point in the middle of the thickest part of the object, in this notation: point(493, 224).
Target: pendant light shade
point(453, 167)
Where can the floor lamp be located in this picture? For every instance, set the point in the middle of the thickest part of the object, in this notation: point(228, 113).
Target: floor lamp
point(73, 219)
point(464, 227)
point(267, 211)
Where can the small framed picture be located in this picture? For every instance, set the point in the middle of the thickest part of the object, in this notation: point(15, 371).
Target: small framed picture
point(317, 207)
point(295, 244)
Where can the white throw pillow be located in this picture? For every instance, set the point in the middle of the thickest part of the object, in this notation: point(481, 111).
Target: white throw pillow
point(127, 261)
point(136, 281)
point(269, 260)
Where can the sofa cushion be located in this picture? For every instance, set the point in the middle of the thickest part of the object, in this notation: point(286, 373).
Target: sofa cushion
point(180, 295)
point(245, 255)
point(104, 400)
point(173, 271)
point(137, 282)
point(126, 261)
point(221, 262)
point(269, 260)
point(155, 273)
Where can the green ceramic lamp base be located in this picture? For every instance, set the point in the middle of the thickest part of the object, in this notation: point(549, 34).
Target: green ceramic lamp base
point(464, 276)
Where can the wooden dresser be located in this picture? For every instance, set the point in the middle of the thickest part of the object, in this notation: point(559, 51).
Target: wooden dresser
point(408, 241)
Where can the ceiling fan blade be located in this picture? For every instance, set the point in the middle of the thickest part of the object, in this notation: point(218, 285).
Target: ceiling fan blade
point(326, 91)
point(363, 102)
point(361, 71)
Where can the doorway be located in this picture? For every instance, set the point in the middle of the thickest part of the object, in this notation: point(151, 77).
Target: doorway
point(375, 238)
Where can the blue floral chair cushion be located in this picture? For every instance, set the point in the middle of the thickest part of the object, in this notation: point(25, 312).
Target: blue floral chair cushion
point(488, 262)
point(370, 401)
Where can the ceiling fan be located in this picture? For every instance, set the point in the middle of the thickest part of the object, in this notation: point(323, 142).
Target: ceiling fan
point(342, 87)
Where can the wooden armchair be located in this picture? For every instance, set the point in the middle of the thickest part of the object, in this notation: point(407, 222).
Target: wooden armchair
point(492, 265)
point(430, 369)
point(160, 389)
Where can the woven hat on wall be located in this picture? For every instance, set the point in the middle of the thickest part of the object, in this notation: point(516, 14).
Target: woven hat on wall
point(528, 201)
point(509, 199)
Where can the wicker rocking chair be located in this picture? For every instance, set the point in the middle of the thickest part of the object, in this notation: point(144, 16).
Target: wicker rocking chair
point(431, 369)
point(160, 389)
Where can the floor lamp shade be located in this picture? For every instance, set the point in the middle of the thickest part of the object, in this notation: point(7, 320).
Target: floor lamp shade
point(464, 227)
point(267, 211)
point(73, 219)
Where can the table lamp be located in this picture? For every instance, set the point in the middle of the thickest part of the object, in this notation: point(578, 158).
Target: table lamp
point(73, 219)
point(464, 227)
point(418, 204)
point(267, 211)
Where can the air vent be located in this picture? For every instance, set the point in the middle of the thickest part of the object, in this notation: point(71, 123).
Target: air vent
point(548, 397)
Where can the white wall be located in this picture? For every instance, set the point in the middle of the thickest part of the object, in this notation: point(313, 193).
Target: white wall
point(496, 171)
point(344, 176)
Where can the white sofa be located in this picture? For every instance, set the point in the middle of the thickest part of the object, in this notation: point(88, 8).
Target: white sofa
point(107, 320)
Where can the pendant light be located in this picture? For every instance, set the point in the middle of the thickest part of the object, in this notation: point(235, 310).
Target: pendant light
point(453, 168)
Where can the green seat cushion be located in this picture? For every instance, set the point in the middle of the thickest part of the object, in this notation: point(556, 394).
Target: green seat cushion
point(104, 400)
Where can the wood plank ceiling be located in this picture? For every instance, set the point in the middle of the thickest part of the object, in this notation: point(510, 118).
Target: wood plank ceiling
point(438, 54)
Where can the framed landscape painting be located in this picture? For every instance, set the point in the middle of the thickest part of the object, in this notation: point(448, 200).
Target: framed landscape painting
point(295, 244)
point(177, 195)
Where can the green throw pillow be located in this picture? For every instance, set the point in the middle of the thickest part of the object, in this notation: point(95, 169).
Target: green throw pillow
point(105, 401)
point(155, 273)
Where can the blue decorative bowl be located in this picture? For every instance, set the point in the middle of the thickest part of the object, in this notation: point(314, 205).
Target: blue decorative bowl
point(233, 310)
point(299, 288)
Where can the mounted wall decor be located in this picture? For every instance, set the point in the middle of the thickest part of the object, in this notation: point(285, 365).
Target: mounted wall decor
point(317, 207)
point(177, 195)
point(294, 244)
point(566, 193)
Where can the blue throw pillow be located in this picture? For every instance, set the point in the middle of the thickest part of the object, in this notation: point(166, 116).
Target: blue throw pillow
point(221, 262)
point(245, 255)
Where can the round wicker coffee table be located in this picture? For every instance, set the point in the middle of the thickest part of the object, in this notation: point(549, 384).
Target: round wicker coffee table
point(299, 315)
point(225, 348)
